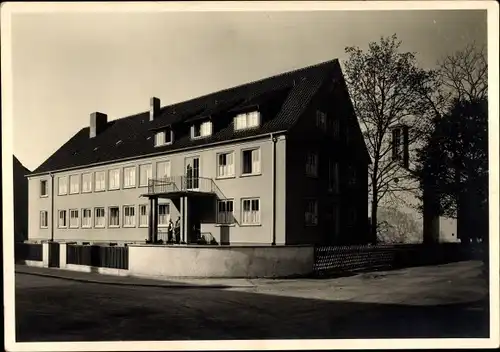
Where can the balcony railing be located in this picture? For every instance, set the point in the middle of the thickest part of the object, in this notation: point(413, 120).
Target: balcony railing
point(181, 184)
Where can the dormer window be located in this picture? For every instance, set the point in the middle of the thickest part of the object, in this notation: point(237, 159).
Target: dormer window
point(201, 129)
point(164, 137)
point(247, 120)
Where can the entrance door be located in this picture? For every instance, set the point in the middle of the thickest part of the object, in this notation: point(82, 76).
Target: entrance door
point(193, 173)
point(54, 255)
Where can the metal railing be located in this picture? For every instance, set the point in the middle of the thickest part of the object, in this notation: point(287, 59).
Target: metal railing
point(181, 184)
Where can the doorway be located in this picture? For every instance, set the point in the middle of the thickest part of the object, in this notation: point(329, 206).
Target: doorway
point(193, 173)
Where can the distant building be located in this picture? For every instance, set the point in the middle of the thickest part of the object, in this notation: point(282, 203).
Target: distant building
point(277, 161)
point(20, 201)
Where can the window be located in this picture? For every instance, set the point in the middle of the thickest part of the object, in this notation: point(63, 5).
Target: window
point(100, 181)
point(225, 212)
point(73, 218)
point(162, 169)
point(74, 182)
point(250, 211)
point(143, 215)
point(44, 192)
point(114, 179)
point(87, 183)
point(247, 120)
point(311, 212)
point(203, 129)
point(396, 144)
point(251, 161)
point(225, 165)
point(86, 218)
point(400, 144)
point(62, 219)
point(145, 173)
point(312, 164)
point(99, 217)
point(321, 120)
point(164, 137)
point(333, 176)
point(163, 214)
point(63, 185)
point(44, 219)
point(352, 175)
point(129, 216)
point(129, 177)
point(114, 217)
point(335, 128)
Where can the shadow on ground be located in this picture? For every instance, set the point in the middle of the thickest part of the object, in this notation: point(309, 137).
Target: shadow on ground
point(57, 310)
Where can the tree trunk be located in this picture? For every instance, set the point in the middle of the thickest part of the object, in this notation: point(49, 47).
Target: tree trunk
point(373, 227)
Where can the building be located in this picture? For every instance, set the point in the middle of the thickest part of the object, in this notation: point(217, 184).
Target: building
point(277, 161)
point(20, 200)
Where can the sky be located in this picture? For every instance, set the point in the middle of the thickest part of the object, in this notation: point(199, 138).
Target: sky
point(68, 65)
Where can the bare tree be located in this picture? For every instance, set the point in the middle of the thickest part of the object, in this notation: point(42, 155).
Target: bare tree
point(386, 88)
point(396, 226)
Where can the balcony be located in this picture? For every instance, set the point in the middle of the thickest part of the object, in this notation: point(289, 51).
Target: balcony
point(181, 185)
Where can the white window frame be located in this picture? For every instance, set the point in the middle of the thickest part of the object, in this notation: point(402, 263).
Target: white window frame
point(247, 120)
point(111, 217)
point(167, 169)
point(148, 174)
point(321, 120)
point(161, 137)
point(103, 217)
point(225, 217)
point(130, 178)
point(42, 188)
point(256, 161)
point(87, 182)
point(142, 217)
point(71, 218)
point(312, 164)
point(311, 212)
point(44, 219)
point(65, 224)
point(165, 216)
point(253, 218)
point(132, 218)
point(113, 182)
point(205, 127)
point(84, 224)
point(74, 184)
point(100, 183)
point(62, 188)
point(227, 170)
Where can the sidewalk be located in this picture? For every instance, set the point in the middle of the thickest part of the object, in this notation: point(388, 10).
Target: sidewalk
point(96, 278)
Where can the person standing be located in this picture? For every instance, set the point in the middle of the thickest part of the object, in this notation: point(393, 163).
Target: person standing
point(170, 231)
point(178, 230)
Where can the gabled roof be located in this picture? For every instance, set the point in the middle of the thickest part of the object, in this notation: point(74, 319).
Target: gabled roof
point(294, 89)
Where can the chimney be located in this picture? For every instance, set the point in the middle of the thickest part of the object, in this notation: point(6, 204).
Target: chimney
point(98, 122)
point(154, 108)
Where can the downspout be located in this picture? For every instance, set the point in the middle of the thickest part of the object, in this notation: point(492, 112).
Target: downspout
point(52, 207)
point(273, 213)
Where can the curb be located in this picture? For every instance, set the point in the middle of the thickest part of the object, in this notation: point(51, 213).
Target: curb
point(90, 281)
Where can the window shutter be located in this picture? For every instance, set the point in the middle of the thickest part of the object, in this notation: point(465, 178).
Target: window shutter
point(406, 142)
point(256, 161)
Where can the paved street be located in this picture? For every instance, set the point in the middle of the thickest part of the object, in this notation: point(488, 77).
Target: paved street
point(438, 301)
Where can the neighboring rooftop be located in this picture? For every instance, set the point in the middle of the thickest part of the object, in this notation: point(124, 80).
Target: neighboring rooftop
point(293, 89)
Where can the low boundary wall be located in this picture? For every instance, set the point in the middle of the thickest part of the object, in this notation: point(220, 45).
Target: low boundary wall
point(220, 261)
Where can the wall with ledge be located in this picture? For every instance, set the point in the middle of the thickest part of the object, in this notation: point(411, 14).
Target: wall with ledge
point(220, 261)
